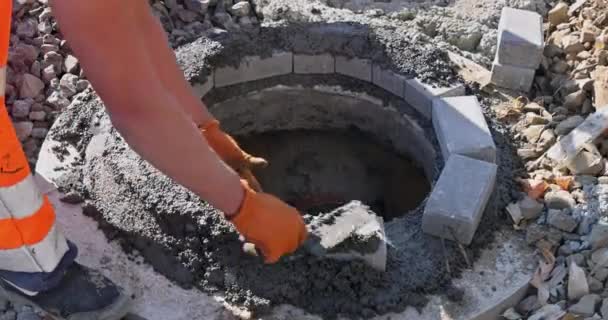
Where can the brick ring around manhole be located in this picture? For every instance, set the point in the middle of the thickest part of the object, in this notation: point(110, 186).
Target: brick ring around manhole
point(337, 123)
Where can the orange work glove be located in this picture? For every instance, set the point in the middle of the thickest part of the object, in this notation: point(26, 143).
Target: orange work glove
point(227, 148)
point(274, 227)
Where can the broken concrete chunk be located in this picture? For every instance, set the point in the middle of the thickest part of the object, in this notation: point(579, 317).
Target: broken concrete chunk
point(530, 208)
point(559, 199)
point(568, 147)
point(599, 235)
point(600, 86)
point(559, 14)
point(589, 161)
point(520, 38)
point(577, 282)
point(586, 306)
point(561, 220)
point(349, 232)
point(550, 311)
point(568, 125)
point(454, 209)
point(462, 129)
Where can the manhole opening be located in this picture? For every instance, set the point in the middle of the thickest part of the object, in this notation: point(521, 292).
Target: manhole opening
point(320, 170)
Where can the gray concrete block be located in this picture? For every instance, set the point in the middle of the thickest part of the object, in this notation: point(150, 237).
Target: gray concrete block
point(459, 199)
point(512, 77)
point(461, 128)
point(356, 68)
point(520, 38)
point(389, 80)
point(314, 64)
point(201, 89)
point(421, 95)
point(255, 68)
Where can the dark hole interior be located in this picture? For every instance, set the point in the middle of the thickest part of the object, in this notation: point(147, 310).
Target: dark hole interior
point(317, 171)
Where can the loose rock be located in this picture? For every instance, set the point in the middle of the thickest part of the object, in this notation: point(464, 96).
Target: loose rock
point(31, 86)
point(577, 282)
point(559, 200)
point(586, 306)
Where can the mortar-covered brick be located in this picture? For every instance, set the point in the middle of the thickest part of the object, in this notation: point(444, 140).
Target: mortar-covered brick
point(421, 95)
point(512, 77)
point(255, 68)
point(459, 198)
point(389, 80)
point(461, 128)
point(520, 38)
point(356, 68)
point(313, 64)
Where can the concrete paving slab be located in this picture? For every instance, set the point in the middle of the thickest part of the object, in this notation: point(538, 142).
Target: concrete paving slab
point(462, 129)
point(459, 198)
point(356, 68)
point(255, 68)
point(512, 77)
point(520, 38)
point(389, 80)
point(421, 95)
point(313, 64)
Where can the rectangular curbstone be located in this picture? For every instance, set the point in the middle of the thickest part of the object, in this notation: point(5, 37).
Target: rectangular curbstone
point(201, 89)
point(313, 64)
point(255, 68)
point(389, 80)
point(461, 128)
point(459, 199)
point(512, 77)
point(520, 38)
point(421, 95)
point(356, 68)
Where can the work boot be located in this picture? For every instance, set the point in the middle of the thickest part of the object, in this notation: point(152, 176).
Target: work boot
point(82, 294)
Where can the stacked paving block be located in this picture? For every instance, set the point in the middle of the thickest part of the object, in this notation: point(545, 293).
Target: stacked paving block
point(519, 49)
point(460, 196)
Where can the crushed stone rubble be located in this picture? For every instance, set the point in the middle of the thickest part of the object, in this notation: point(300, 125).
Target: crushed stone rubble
point(560, 129)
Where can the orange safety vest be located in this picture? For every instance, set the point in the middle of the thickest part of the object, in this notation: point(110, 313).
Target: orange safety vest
point(29, 239)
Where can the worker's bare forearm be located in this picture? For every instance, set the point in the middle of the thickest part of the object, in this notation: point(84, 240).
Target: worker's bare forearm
point(163, 59)
point(104, 36)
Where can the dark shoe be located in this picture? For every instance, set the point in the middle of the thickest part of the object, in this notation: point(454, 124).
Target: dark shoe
point(82, 294)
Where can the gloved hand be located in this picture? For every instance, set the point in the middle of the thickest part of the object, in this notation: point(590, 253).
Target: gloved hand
point(274, 227)
point(227, 148)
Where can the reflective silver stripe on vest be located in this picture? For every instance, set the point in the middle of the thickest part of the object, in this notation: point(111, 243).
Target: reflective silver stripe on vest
point(2, 81)
point(22, 199)
point(41, 257)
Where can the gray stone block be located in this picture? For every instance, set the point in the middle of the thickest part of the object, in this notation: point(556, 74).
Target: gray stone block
point(314, 64)
point(389, 80)
point(512, 77)
point(520, 38)
point(201, 89)
point(255, 68)
point(461, 128)
point(421, 95)
point(356, 68)
point(459, 199)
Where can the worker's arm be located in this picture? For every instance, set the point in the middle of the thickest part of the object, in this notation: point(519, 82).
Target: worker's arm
point(105, 38)
point(172, 78)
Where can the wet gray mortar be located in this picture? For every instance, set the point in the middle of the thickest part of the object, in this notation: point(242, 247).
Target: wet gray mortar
point(187, 240)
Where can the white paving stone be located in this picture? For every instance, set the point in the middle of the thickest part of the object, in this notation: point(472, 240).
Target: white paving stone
point(356, 68)
point(512, 77)
point(255, 68)
point(461, 128)
point(421, 95)
point(389, 80)
point(459, 199)
point(520, 38)
point(313, 64)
